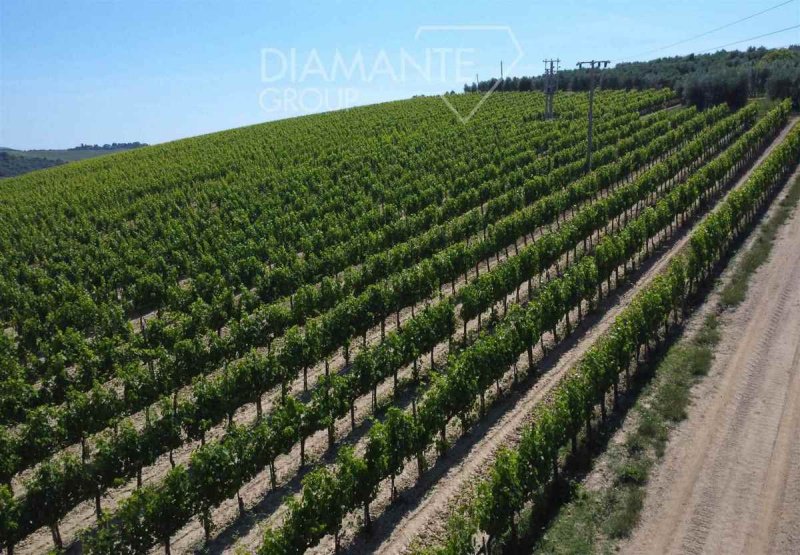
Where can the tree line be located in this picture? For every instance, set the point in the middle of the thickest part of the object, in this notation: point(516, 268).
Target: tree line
point(702, 80)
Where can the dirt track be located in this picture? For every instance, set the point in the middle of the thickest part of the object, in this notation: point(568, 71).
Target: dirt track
point(730, 481)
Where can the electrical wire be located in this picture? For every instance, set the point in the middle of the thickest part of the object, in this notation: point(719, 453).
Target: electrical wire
point(706, 33)
point(749, 39)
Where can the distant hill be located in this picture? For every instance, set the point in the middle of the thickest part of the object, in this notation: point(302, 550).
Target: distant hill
point(11, 164)
point(107, 147)
point(80, 152)
point(16, 162)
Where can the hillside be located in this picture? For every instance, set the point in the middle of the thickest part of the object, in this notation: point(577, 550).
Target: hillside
point(347, 330)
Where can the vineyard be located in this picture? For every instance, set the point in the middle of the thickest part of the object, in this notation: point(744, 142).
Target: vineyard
point(280, 338)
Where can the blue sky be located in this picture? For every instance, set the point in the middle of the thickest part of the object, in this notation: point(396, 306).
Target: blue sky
point(89, 71)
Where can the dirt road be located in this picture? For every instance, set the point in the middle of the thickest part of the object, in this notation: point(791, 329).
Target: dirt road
point(730, 479)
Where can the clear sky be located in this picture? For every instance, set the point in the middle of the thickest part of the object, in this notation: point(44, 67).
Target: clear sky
point(76, 71)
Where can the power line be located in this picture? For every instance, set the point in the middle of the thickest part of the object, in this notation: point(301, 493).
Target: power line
point(594, 67)
point(731, 24)
point(749, 39)
point(550, 85)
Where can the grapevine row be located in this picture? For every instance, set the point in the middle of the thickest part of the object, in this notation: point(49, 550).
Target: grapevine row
point(289, 414)
point(91, 412)
point(519, 474)
point(329, 494)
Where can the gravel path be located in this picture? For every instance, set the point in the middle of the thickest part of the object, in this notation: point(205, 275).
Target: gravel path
point(729, 481)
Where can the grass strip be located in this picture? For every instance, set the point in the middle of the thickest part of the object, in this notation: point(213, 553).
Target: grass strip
point(735, 291)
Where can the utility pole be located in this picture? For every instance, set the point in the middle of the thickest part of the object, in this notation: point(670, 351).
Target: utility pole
point(501, 75)
point(477, 84)
point(594, 66)
point(550, 85)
